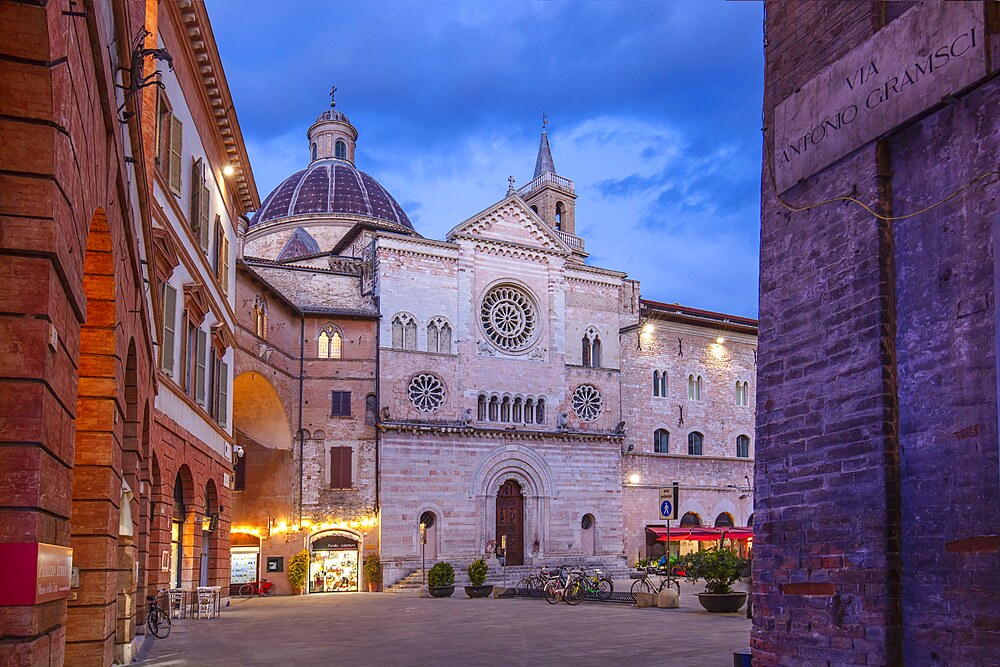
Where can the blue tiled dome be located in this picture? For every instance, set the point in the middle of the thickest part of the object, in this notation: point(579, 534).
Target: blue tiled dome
point(332, 187)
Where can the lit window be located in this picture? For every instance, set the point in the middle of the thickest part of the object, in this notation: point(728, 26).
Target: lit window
point(331, 343)
point(695, 441)
point(743, 446)
point(695, 385)
point(661, 441)
point(260, 317)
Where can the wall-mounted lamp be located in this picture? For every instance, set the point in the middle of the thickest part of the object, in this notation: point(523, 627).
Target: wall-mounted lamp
point(228, 170)
point(634, 478)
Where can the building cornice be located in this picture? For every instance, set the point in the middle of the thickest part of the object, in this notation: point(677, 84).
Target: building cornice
point(191, 16)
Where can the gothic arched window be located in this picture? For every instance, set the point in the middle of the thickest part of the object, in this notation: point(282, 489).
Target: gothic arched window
point(404, 332)
point(591, 344)
point(439, 336)
point(481, 408)
point(340, 150)
point(331, 343)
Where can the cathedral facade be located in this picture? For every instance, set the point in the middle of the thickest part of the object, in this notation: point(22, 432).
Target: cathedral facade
point(490, 389)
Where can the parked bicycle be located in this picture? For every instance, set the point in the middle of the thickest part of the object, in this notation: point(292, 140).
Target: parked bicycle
point(647, 585)
point(597, 585)
point(263, 588)
point(157, 620)
point(566, 587)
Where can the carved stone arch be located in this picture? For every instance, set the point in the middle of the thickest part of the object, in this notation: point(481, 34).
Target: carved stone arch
point(530, 470)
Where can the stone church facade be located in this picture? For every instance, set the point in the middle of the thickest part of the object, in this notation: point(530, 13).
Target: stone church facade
point(487, 385)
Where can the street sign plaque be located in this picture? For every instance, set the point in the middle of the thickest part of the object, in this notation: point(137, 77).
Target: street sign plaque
point(668, 503)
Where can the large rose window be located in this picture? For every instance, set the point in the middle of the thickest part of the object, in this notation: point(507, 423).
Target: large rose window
point(509, 318)
point(426, 392)
point(587, 403)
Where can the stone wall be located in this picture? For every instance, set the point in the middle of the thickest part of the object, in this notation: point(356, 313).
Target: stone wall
point(877, 441)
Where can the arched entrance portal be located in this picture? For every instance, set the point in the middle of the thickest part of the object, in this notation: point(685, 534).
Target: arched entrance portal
point(510, 521)
point(334, 562)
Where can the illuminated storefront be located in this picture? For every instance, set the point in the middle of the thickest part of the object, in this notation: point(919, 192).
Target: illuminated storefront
point(334, 562)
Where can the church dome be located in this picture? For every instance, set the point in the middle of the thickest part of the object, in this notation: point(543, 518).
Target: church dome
point(331, 187)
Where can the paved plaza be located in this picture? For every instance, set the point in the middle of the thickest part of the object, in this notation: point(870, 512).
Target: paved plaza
point(402, 629)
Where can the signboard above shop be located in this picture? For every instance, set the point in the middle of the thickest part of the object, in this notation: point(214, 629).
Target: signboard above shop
point(932, 51)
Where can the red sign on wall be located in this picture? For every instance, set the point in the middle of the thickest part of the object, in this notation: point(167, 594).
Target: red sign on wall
point(34, 572)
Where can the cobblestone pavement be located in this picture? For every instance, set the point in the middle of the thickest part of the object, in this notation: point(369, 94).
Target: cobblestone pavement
point(402, 629)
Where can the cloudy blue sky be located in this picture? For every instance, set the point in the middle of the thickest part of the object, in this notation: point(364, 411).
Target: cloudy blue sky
point(654, 112)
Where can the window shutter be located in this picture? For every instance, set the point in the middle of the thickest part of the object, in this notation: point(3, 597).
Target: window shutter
point(345, 468)
point(203, 221)
point(223, 411)
point(197, 175)
point(340, 467)
point(224, 277)
point(199, 365)
point(169, 325)
point(176, 150)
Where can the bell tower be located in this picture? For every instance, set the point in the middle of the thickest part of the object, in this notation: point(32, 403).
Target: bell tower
point(550, 195)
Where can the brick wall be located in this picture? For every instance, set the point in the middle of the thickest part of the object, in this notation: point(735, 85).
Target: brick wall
point(876, 438)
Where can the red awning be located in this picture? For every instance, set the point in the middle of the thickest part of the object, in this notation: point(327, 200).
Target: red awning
point(701, 533)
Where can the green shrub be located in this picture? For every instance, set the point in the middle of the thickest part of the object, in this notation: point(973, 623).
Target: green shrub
point(373, 569)
point(718, 567)
point(298, 570)
point(477, 572)
point(441, 574)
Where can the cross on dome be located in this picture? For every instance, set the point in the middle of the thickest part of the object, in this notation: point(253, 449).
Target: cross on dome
point(333, 92)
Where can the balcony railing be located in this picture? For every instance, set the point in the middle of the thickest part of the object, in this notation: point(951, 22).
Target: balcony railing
point(571, 240)
point(547, 177)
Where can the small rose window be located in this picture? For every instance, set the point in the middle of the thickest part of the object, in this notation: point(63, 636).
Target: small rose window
point(426, 392)
point(587, 402)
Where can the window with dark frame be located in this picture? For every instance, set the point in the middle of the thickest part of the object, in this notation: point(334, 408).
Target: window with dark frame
point(661, 441)
point(743, 446)
point(695, 442)
point(341, 404)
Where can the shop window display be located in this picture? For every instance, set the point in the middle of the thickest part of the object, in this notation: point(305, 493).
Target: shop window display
point(333, 564)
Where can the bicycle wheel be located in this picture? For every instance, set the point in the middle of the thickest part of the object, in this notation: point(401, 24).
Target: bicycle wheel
point(605, 587)
point(523, 586)
point(641, 586)
point(268, 592)
point(574, 593)
point(552, 592)
point(246, 591)
point(158, 623)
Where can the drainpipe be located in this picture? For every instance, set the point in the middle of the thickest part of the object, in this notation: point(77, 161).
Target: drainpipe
point(378, 391)
point(302, 363)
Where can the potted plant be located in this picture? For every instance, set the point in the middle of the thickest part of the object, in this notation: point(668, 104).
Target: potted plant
point(441, 580)
point(477, 577)
point(719, 568)
point(373, 572)
point(298, 570)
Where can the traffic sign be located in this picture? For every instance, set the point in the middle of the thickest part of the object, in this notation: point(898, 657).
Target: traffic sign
point(668, 502)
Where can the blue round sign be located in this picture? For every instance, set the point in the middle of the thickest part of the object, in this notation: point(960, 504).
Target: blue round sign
point(666, 508)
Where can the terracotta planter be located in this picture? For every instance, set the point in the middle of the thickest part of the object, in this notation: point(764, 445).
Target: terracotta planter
point(373, 587)
point(441, 591)
point(479, 591)
point(722, 603)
